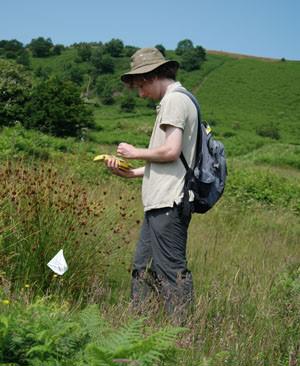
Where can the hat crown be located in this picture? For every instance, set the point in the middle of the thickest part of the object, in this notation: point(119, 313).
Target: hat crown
point(146, 60)
point(146, 56)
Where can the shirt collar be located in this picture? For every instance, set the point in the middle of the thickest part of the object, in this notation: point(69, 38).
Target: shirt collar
point(169, 89)
point(172, 87)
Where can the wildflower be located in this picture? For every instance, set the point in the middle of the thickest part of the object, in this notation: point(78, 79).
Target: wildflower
point(5, 302)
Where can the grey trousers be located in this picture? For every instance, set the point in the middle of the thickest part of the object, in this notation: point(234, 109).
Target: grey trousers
point(160, 260)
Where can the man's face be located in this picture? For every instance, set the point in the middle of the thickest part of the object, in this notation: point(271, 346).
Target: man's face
point(148, 88)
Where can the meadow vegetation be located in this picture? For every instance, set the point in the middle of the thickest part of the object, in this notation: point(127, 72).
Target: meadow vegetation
point(244, 254)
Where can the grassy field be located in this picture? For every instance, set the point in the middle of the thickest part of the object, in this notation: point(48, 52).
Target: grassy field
point(244, 254)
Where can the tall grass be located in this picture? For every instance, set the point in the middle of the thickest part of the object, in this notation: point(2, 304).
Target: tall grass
point(244, 256)
point(239, 260)
point(42, 212)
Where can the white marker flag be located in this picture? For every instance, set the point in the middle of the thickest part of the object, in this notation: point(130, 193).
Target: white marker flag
point(58, 263)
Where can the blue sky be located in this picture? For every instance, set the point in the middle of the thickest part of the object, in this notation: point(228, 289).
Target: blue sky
point(269, 28)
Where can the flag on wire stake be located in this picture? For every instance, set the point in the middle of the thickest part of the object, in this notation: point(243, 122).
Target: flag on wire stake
point(58, 263)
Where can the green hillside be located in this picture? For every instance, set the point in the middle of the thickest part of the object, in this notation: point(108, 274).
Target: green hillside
point(249, 102)
point(247, 95)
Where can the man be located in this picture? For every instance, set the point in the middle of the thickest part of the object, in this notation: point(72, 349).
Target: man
point(160, 259)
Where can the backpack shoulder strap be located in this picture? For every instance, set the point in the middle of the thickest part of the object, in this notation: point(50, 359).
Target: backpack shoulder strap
point(199, 129)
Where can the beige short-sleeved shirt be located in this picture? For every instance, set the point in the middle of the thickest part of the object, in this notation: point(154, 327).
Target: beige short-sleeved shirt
point(163, 182)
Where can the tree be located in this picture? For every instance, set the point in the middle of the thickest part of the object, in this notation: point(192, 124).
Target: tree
point(12, 45)
point(102, 63)
point(56, 108)
point(201, 53)
point(10, 54)
point(114, 47)
point(74, 73)
point(41, 47)
point(184, 46)
point(107, 65)
point(57, 49)
point(190, 60)
point(11, 49)
point(15, 86)
point(161, 48)
point(84, 52)
point(96, 59)
point(24, 58)
point(129, 50)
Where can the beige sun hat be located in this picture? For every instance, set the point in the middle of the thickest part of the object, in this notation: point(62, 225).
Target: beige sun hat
point(146, 60)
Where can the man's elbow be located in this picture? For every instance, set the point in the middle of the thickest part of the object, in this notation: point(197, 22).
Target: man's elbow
point(173, 154)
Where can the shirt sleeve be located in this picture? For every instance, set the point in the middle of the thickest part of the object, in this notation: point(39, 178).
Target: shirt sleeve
point(173, 111)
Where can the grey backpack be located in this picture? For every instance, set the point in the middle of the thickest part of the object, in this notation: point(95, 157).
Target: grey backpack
point(206, 179)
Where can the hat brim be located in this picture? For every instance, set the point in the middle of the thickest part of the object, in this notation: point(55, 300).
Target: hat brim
point(146, 69)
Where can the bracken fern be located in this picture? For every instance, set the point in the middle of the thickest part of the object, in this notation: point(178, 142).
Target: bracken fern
point(132, 344)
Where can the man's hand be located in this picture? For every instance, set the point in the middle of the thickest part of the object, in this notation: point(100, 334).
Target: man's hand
point(127, 151)
point(112, 164)
point(167, 152)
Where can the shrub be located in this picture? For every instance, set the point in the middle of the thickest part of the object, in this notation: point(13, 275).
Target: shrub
point(15, 87)
point(268, 130)
point(56, 108)
point(42, 72)
point(24, 58)
point(101, 82)
point(128, 103)
point(250, 185)
point(227, 134)
point(107, 95)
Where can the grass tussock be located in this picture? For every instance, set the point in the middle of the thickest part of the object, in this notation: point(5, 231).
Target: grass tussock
point(42, 211)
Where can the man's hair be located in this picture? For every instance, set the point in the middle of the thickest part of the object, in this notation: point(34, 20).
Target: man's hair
point(165, 71)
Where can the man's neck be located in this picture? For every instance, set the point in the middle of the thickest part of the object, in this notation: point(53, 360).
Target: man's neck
point(164, 84)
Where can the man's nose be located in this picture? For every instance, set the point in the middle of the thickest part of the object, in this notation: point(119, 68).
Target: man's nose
point(141, 93)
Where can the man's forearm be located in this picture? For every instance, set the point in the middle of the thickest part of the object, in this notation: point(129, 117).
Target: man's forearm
point(161, 154)
point(138, 172)
point(167, 152)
